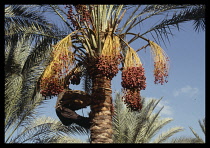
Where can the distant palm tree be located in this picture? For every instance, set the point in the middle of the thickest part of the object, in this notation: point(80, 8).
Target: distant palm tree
point(28, 39)
point(140, 126)
point(196, 139)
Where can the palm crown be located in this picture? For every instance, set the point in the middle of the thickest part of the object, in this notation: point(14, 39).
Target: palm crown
point(98, 45)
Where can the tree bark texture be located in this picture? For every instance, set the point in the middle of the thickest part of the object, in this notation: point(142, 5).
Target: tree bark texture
point(101, 110)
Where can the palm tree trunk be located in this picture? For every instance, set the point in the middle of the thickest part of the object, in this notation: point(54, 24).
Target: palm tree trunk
point(101, 110)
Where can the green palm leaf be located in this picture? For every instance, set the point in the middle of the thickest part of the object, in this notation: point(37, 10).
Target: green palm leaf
point(195, 139)
point(46, 130)
point(28, 37)
point(142, 126)
point(194, 13)
point(183, 140)
point(202, 125)
point(165, 135)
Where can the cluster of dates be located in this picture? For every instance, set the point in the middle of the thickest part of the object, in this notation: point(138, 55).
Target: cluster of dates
point(52, 87)
point(71, 16)
point(133, 77)
point(133, 80)
point(133, 99)
point(160, 73)
point(82, 14)
point(106, 66)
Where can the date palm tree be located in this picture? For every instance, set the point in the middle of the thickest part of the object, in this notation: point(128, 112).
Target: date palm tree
point(100, 41)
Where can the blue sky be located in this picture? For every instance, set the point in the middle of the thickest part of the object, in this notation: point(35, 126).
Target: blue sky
point(184, 94)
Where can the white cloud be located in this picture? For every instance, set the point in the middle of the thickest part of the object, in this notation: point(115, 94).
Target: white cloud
point(167, 110)
point(188, 90)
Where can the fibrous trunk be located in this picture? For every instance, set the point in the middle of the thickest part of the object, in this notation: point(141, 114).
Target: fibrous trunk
point(101, 110)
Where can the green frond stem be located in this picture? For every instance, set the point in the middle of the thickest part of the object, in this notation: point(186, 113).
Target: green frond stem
point(33, 33)
point(137, 35)
point(163, 9)
point(202, 125)
point(142, 47)
point(196, 135)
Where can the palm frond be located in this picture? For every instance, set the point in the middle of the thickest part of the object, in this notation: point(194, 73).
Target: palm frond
point(196, 135)
point(16, 53)
point(19, 20)
point(190, 13)
point(29, 75)
point(198, 13)
point(196, 139)
point(151, 124)
point(59, 12)
point(131, 20)
point(46, 130)
point(121, 120)
point(38, 55)
point(165, 135)
point(59, 139)
point(142, 126)
point(182, 140)
point(21, 118)
point(157, 126)
point(202, 125)
point(20, 89)
point(13, 87)
point(28, 37)
point(150, 11)
point(30, 85)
